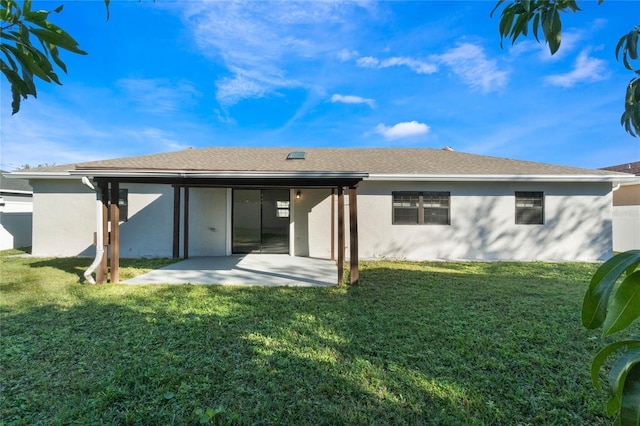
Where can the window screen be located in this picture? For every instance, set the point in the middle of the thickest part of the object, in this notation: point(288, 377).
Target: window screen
point(421, 208)
point(529, 208)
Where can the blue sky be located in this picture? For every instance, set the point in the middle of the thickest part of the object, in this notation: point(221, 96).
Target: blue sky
point(165, 76)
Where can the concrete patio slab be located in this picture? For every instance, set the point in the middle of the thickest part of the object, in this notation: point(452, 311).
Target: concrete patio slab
point(250, 269)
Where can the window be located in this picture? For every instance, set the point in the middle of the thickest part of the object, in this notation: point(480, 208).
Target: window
point(123, 203)
point(529, 208)
point(421, 208)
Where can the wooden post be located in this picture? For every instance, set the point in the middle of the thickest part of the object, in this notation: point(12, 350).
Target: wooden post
point(353, 240)
point(114, 241)
point(340, 234)
point(333, 224)
point(103, 269)
point(176, 222)
point(186, 223)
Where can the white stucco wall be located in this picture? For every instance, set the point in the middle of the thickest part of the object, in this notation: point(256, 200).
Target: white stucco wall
point(626, 228)
point(312, 223)
point(16, 215)
point(577, 223)
point(64, 218)
point(149, 230)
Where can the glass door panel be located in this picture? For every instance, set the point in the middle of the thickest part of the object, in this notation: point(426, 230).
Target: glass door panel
point(246, 221)
point(275, 221)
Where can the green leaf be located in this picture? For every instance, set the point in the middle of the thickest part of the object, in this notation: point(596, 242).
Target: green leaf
point(506, 21)
point(596, 299)
point(619, 371)
point(601, 357)
point(632, 44)
point(59, 38)
point(56, 59)
point(613, 406)
point(536, 24)
point(15, 100)
point(28, 63)
point(630, 404)
point(624, 307)
point(556, 33)
point(498, 4)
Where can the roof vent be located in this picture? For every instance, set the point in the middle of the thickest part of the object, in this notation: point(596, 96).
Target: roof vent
point(448, 148)
point(296, 155)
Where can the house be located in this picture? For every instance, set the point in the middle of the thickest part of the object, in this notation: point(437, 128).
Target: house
point(416, 204)
point(626, 209)
point(16, 209)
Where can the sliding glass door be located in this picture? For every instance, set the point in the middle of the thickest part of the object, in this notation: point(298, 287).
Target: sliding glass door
point(260, 221)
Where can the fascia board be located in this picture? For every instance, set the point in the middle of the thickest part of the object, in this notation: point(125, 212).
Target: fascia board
point(75, 174)
point(41, 175)
point(502, 178)
point(220, 175)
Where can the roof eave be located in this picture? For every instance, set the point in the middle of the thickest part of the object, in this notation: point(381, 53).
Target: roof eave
point(501, 178)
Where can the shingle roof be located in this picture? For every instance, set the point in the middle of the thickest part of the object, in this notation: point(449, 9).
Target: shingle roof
point(419, 161)
point(633, 168)
point(9, 185)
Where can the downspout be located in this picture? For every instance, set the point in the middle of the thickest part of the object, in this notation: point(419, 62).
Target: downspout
point(615, 188)
point(99, 236)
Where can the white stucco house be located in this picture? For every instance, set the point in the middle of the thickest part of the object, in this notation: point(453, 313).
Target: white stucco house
point(416, 204)
point(16, 209)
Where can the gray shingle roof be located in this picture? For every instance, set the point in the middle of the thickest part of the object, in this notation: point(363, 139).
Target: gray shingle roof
point(419, 161)
point(9, 185)
point(633, 168)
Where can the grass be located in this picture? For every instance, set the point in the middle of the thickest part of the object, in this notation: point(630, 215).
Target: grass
point(415, 343)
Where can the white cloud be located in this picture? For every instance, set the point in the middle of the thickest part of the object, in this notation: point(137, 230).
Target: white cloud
point(570, 39)
point(266, 46)
point(368, 62)
point(416, 65)
point(349, 99)
point(346, 54)
point(469, 62)
point(402, 130)
point(586, 69)
point(158, 95)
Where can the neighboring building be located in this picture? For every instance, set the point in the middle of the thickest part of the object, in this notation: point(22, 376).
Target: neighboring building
point(417, 204)
point(626, 209)
point(16, 207)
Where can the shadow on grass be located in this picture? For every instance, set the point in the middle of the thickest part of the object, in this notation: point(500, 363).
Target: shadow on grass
point(405, 347)
point(76, 266)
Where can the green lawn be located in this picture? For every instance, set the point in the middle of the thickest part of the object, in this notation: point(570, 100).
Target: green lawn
point(415, 343)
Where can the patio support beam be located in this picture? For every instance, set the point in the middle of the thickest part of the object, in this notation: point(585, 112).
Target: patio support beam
point(176, 221)
point(353, 240)
point(333, 224)
point(103, 268)
point(114, 241)
point(185, 245)
point(340, 235)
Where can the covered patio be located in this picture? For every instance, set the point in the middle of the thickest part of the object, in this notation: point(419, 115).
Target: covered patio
point(109, 182)
point(251, 269)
